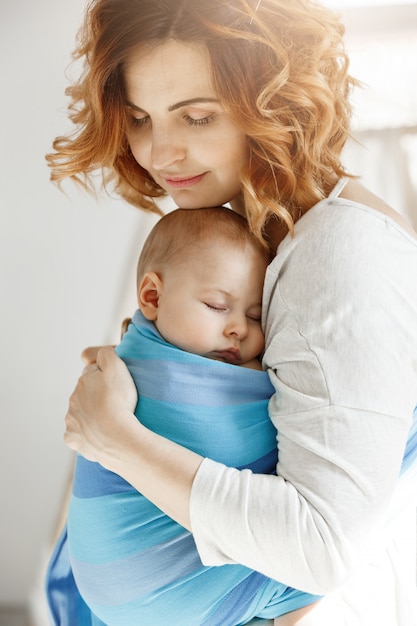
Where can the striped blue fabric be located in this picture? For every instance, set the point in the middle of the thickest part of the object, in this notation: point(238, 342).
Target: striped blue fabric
point(134, 565)
point(405, 495)
point(125, 562)
point(409, 464)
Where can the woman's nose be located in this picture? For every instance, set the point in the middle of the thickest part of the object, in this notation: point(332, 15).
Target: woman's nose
point(167, 148)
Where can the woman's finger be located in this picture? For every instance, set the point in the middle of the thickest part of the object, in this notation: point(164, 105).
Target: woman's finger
point(106, 356)
point(71, 426)
point(104, 391)
point(89, 355)
point(88, 369)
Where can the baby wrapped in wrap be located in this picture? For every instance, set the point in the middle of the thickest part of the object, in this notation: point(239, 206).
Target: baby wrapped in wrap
point(134, 565)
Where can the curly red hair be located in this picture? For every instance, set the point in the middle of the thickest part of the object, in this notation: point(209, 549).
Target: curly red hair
point(281, 71)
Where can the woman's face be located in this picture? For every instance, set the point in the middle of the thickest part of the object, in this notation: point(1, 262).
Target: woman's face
point(179, 130)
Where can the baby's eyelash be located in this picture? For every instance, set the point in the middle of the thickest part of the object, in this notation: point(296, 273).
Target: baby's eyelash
point(214, 307)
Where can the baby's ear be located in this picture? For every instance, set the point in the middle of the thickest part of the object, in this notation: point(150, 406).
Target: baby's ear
point(148, 296)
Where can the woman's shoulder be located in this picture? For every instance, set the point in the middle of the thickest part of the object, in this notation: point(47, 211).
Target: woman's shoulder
point(345, 223)
point(354, 192)
point(348, 239)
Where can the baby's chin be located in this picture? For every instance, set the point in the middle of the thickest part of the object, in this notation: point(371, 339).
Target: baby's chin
point(253, 364)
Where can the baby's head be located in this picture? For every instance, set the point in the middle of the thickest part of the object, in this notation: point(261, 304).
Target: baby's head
point(200, 279)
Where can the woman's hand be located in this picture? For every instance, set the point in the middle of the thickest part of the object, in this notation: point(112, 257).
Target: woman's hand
point(89, 355)
point(101, 426)
point(101, 409)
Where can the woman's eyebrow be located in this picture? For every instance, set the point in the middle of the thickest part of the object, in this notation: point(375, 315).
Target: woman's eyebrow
point(177, 105)
point(185, 103)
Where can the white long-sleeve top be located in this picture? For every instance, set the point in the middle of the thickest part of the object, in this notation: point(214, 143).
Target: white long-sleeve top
point(340, 317)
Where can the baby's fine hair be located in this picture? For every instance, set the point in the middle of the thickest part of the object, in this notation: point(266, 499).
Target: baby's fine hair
point(278, 66)
point(178, 235)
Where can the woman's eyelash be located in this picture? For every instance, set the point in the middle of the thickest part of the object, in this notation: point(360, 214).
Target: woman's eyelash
point(137, 122)
point(200, 121)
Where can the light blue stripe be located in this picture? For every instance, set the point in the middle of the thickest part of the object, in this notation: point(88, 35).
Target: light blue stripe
point(112, 527)
point(142, 574)
point(164, 381)
point(189, 604)
point(223, 435)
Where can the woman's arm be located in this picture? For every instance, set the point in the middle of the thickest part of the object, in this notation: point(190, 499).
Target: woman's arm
point(101, 425)
point(341, 314)
point(342, 433)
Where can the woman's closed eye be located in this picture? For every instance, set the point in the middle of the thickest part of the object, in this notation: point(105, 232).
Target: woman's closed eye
point(198, 121)
point(142, 121)
point(138, 122)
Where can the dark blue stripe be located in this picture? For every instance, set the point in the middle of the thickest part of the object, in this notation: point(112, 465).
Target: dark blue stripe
point(238, 601)
point(92, 480)
point(265, 465)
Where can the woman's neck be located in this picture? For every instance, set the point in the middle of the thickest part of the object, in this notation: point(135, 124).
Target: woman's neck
point(238, 205)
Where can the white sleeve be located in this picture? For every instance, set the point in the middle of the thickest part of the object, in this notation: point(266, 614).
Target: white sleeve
point(341, 322)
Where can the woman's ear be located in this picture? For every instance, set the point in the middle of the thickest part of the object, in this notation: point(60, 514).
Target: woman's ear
point(150, 289)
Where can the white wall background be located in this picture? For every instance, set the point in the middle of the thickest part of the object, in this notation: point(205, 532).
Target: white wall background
point(66, 278)
point(66, 264)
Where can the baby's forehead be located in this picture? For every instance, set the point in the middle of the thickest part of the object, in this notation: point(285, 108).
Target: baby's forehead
point(217, 257)
point(219, 248)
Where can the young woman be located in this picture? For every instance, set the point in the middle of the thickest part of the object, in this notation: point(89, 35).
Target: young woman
point(216, 101)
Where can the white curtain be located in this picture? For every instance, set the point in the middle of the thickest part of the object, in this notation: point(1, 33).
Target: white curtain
point(386, 161)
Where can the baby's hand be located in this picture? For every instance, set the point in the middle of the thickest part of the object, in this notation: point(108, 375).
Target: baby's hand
point(125, 325)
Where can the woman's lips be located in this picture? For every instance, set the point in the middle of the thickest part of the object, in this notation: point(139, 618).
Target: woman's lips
point(182, 183)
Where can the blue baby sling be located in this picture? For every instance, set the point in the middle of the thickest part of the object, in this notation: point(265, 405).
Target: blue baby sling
point(131, 564)
point(120, 561)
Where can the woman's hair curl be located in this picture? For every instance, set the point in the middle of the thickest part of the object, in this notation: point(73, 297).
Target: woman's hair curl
point(281, 71)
